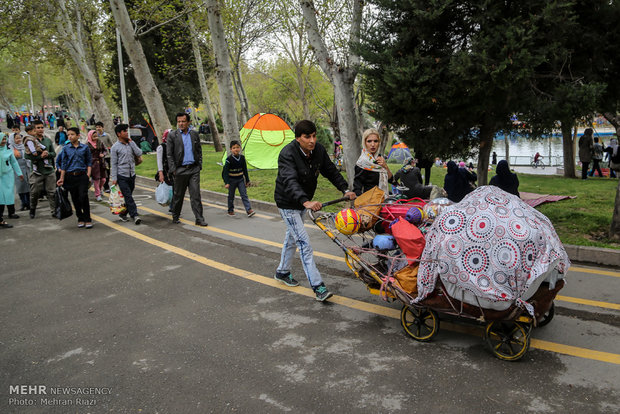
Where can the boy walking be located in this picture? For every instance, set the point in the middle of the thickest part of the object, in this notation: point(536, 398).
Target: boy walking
point(75, 166)
point(123, 156)
point(235, 175)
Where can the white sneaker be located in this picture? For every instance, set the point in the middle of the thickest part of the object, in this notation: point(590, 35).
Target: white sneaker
point(98, 198)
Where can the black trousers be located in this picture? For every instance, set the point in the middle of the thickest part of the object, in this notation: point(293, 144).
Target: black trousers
point(77, 186)
point(584, 169)
point(185, 178)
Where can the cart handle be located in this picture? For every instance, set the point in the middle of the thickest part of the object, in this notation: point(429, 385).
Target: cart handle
point(327, 203)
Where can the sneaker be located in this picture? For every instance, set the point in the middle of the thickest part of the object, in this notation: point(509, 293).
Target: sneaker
point(107, 191)
point(175, 220)
point(201, 223)
point(321, 292)
point(231, 214)
point(13, 216)
point(251, 213)
point(89, 225)
point(80, 225)
point(98, 198)
point(286, 279)
point(32, 213)
point(123, 217)
point(137, 220)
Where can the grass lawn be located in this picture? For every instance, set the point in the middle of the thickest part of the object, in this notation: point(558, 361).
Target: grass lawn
point(584, 220)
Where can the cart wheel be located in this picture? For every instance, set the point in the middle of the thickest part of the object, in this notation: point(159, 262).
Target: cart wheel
point(547, 316)
point(420, 323)
point(508, 340)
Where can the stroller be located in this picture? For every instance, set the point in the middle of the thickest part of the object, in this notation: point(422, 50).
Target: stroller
point(490, 259)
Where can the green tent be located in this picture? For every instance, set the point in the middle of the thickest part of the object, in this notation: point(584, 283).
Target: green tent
point(262, 139)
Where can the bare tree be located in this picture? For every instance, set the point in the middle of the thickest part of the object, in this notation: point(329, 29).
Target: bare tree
point(341, 72)
point(203, 84)
point(223, 72)
point(71, 36)
point(150, 93)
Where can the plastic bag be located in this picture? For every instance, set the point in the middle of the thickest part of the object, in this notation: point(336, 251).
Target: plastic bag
point(117, 202)
point(63, 206)
point(163, 194)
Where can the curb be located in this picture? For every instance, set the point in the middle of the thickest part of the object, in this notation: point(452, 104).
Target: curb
point(597, 256)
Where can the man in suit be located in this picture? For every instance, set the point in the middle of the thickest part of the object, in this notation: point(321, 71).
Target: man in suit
point(184, 163)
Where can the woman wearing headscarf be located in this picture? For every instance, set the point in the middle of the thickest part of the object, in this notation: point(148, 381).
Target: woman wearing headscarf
point(458, 182)
point(21, 184)
point(586, 146)
point(505, 179)
point(98, 153)
point(8, 168)
point(371, 169)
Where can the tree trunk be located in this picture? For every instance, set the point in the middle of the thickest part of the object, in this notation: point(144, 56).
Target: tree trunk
point(486, 144)
point(223, 71)
point(301, 84)
point(76, 50)
point(343, 79)
point(347, 122)
point(203, 84)
point(241, 94)
point(41, 88)
point(568, 148)
point(614, 230)
point(146, 83)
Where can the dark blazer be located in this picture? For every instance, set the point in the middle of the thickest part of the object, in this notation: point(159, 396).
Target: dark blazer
point(175, 150)
point(298, 174)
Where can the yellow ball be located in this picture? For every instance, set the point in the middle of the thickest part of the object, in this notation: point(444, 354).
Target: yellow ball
point(347, 221)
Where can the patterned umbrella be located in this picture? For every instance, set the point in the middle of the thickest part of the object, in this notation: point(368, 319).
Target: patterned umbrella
point(491, 250)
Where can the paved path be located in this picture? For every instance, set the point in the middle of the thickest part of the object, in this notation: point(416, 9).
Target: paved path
point(176, 318)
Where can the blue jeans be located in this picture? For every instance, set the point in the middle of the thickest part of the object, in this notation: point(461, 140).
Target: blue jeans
point(232, 186)
point(297, 237)
point(127, 185)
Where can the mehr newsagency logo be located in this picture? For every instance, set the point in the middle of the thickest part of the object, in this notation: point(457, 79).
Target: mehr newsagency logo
point(43, 395)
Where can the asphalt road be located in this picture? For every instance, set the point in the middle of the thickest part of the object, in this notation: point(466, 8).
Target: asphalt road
point(163, 318)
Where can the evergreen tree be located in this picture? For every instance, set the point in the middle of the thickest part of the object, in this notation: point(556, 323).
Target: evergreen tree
point(451, 73)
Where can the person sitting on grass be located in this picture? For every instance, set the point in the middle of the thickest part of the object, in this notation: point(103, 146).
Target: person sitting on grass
point(235, 175)
point(505, 179)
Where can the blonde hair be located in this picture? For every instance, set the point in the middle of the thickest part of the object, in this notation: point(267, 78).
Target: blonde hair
point(369, 132)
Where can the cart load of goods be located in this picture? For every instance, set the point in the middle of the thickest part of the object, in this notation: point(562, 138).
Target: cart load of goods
point(490, 251)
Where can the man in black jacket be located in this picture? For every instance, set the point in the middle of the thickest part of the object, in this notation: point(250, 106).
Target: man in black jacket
point(184, 163)
point(299, 165)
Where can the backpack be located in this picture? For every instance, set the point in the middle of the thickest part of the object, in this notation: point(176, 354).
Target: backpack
point(598, 152)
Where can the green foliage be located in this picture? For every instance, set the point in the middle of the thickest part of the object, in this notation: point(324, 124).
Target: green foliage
point(444, 72)
point(272, 87)
point(170, 58)
point(324, 137)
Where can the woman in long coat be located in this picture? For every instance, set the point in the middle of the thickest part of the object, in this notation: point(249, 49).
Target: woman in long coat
point(586, 147)
point(21, 184)
point(8, 167)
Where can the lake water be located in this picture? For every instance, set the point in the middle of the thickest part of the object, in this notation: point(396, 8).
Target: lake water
point(522, 149)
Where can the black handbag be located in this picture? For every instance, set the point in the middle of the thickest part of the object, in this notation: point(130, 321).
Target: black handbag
point(63, 206)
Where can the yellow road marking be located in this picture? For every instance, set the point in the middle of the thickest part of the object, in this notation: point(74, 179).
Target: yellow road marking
point(594, 271)
point(341, 300)
point(588, 302)
point(238, 235)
